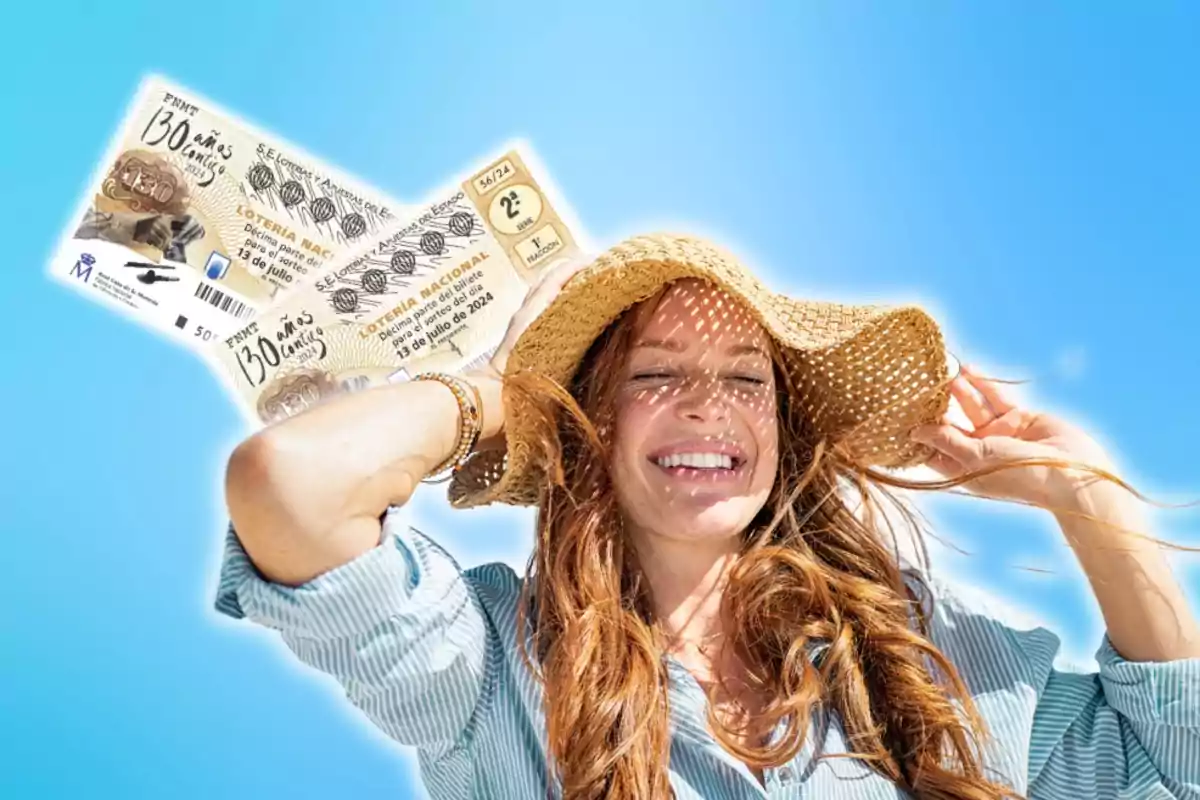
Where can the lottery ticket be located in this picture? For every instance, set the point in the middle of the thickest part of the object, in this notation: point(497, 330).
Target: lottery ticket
point(195, 220)
point(433, 291)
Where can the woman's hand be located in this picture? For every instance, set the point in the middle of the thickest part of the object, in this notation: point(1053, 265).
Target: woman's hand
point(536, 301)
point(488, 378)
point(1001, 432)
point(1146, 613)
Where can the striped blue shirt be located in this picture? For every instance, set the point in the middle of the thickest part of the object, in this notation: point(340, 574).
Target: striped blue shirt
point(429, 652)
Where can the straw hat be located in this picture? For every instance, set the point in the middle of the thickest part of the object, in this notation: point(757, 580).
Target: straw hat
point(866, 374)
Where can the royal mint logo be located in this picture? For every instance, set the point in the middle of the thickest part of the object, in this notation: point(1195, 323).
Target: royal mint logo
point(83, 267)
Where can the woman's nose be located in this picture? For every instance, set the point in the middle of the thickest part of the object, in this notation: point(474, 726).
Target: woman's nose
point(701, 400)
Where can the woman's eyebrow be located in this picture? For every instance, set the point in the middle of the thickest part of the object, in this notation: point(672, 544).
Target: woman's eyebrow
point(672, 345)
point(747, 350)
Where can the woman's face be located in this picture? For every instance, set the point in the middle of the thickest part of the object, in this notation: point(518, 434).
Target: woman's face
point(697, 439)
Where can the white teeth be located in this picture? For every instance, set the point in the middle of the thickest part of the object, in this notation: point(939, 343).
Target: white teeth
point(696, 461)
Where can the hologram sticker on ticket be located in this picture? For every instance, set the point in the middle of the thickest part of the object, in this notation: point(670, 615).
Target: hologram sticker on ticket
point(433, 292)
point(196, 221)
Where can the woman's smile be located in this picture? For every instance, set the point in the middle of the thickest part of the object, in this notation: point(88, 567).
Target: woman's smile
point(700, 462)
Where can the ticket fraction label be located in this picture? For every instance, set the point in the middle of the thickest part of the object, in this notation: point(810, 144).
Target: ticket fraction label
point(434, 291)
point(196, 220)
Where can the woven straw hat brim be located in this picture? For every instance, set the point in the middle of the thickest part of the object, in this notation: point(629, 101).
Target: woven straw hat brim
point(865, 374)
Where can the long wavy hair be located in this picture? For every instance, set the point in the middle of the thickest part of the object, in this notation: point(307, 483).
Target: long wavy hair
point(817, 572)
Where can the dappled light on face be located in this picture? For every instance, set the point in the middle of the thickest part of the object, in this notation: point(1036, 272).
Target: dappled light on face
point(699, 340)
point(696, 444)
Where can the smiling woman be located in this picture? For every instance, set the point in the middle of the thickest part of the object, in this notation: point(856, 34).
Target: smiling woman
point(695, 406)
point(713, 607)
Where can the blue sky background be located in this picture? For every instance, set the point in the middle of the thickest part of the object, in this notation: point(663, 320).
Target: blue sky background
point(1030, 171)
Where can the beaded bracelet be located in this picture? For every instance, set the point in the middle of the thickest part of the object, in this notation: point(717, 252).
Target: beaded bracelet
point(470, 422)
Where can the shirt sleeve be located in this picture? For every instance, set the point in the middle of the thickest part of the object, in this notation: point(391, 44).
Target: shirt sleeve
point(1128, 730)
point(400, 627)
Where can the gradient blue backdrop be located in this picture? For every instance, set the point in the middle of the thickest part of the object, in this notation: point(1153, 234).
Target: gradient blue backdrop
point(1030, 172)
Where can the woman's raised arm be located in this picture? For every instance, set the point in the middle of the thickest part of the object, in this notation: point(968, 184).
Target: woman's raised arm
point(307, 494)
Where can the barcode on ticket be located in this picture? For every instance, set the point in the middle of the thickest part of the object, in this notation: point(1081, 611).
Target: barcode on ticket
point(218, 299)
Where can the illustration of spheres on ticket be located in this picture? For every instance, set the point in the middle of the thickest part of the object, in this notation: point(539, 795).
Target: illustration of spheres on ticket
point(261, 177)
point(375, 281)
point(345, 300)
point(291, 193)
point(322, 209)
point(353, 225)
point(461, 224)
point(404, 262)
point(433, 243)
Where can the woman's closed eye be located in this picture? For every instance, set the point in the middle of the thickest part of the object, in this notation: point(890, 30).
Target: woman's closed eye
point(648, 375)
point(662, 375)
